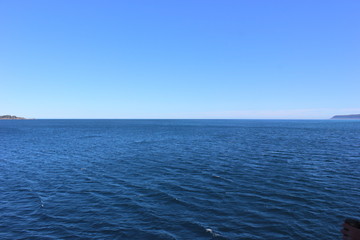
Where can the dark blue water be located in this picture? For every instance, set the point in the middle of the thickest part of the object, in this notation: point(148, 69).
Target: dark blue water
point(178, 179)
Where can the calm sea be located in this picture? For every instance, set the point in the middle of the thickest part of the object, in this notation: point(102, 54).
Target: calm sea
point(178, 179)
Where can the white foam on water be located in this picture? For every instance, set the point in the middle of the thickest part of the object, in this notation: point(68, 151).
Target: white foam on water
point(209, 230)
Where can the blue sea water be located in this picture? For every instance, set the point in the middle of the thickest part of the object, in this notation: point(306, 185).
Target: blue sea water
point(178, 179)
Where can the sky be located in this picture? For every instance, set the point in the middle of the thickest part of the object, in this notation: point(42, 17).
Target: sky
point(237, 59)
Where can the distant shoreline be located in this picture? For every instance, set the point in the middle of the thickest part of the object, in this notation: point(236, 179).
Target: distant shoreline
point(10, 117)
point(347, 117)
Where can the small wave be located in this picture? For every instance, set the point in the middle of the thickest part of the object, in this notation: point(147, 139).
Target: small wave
point(209, 230)
point(90, 136)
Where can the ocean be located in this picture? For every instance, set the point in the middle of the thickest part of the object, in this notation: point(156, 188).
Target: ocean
point(178, 179)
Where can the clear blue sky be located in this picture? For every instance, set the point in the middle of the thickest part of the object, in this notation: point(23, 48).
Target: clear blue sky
point(179, 58)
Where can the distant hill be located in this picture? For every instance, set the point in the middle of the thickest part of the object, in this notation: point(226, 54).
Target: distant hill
point(9, 117)
point(351, 116)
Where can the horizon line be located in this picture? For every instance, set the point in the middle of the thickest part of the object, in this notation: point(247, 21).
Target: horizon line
point(180, 119)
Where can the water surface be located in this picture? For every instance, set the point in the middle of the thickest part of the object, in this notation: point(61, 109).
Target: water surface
point(178, 179)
